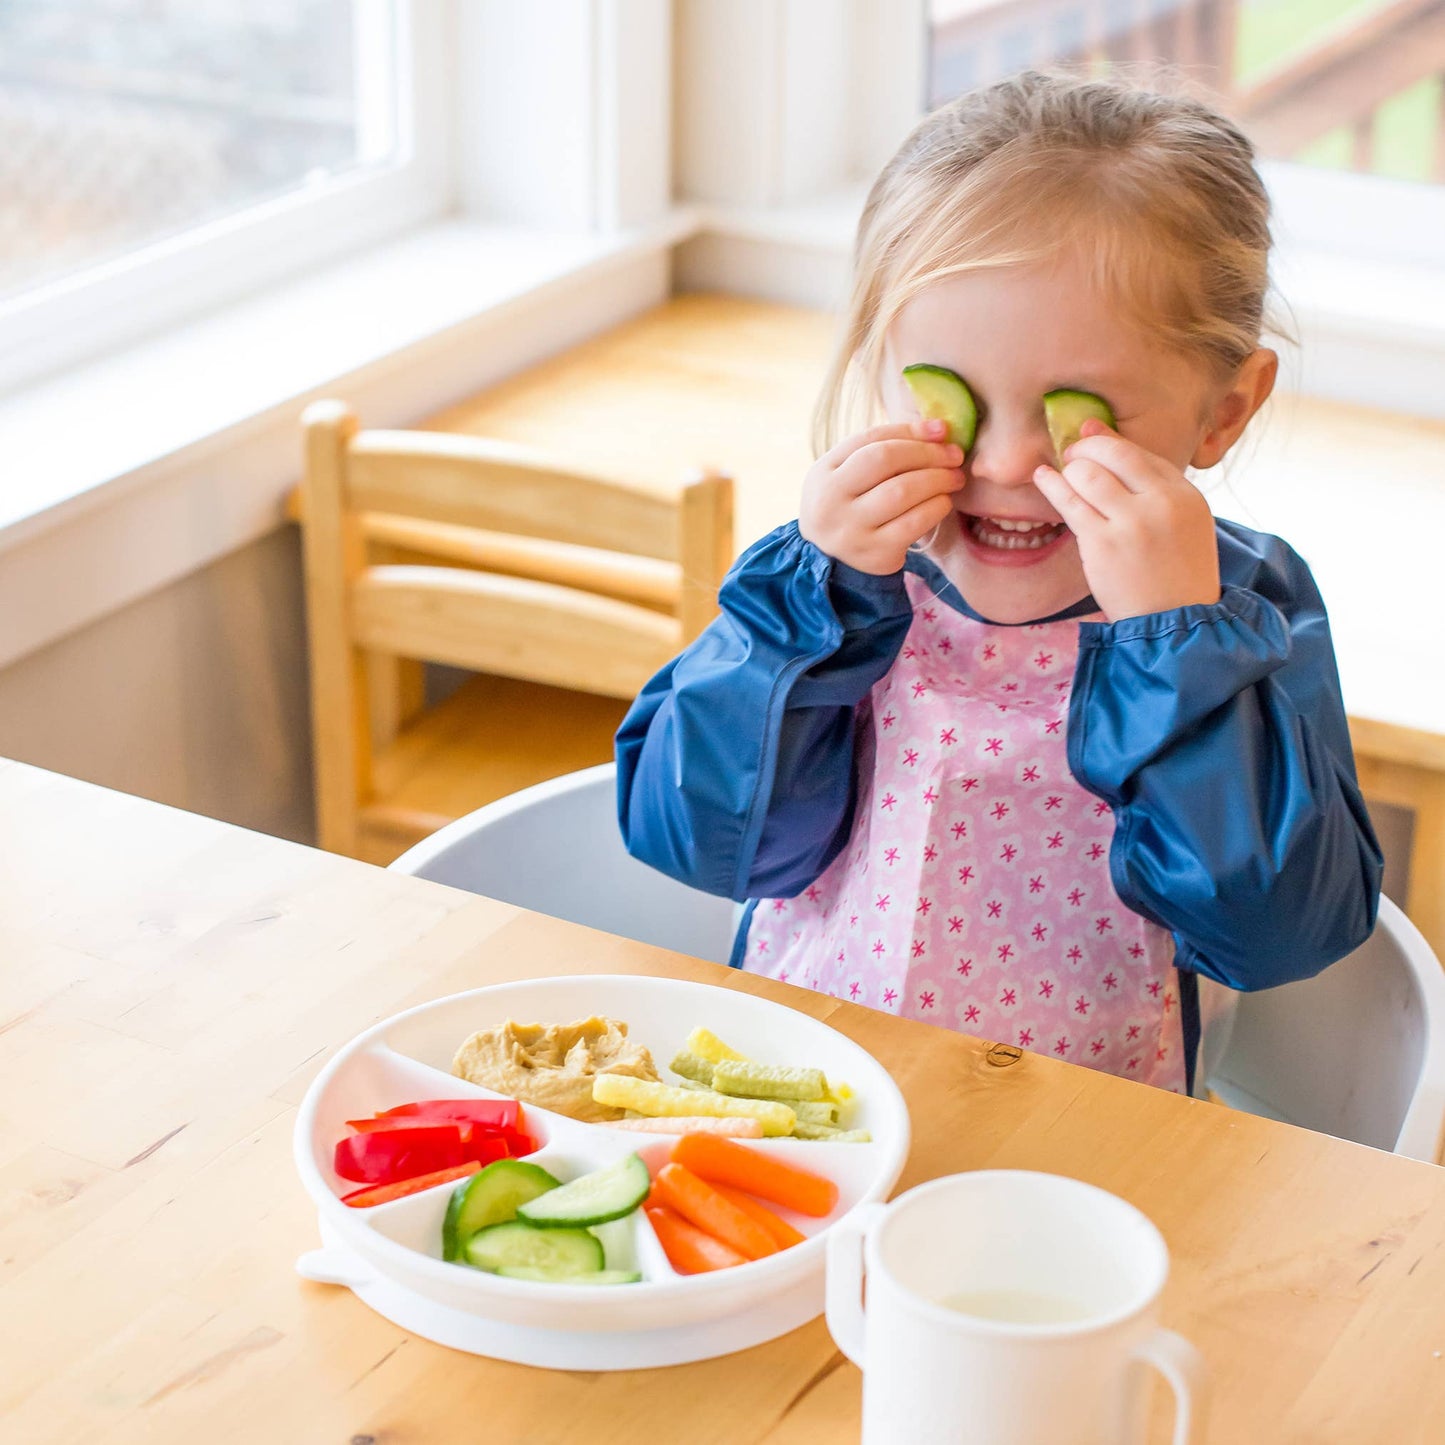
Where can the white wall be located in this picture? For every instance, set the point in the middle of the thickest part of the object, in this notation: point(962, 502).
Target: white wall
point(194, 695)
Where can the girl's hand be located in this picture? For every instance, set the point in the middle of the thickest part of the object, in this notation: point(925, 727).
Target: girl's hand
point(876, 494)
point(1145, 533)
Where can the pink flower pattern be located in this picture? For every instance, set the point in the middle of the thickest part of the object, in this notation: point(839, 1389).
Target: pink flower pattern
point(1018, 898)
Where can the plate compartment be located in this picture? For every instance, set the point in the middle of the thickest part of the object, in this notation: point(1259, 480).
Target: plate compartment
point(389, 1255)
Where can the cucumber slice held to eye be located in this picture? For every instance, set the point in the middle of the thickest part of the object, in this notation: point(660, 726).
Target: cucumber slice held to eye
point(943, 395)
point(1066, 411)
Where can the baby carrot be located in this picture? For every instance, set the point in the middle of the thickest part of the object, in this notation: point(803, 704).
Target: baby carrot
point(783, 1233)
point(700, 1204)
point(720, 1161)
point(689, 1250)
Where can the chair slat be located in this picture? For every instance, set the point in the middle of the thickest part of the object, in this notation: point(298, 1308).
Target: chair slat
point(512, 626)
point(500, 487)
point(438, 547)
point(628, 577)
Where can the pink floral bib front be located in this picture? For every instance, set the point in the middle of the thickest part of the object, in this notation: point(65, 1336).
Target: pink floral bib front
point(974, 890)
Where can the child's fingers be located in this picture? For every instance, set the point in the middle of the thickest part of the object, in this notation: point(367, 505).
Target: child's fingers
point(918, 430)
point(1103, 491)
point(879, 462)
point(917, 522)
point(1136, 468)
point(898, 495)
point(1075, 510)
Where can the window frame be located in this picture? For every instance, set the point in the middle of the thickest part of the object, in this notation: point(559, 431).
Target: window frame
point(99, 308)
point(554, 157)
point(1366, 217)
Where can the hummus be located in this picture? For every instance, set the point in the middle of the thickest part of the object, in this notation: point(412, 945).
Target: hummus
point(553, 1065)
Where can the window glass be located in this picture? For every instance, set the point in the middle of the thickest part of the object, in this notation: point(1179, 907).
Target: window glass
point(1346, 84)
point(125, 122)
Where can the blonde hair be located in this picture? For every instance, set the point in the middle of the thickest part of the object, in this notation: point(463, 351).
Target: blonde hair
point(1162, 188)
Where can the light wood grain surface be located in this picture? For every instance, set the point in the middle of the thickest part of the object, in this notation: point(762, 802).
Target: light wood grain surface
point(169, 987)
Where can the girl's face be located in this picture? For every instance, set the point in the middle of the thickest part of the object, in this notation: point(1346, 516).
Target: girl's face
point(1013, 335)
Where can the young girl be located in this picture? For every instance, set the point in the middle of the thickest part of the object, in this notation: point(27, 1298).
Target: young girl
point(1022, 743)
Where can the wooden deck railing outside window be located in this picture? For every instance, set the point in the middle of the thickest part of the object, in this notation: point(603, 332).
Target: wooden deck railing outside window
point(1338, 75)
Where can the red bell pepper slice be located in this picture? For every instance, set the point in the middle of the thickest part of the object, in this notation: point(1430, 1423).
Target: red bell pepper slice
point(385, 1193)
point(393, 1154)
point(516, 1141)
point(487, 1148)
point(388, 1123)
point(490, 1113)
point(400, 1153)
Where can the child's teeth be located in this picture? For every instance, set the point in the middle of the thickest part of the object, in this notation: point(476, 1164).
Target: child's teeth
point(1003, 534)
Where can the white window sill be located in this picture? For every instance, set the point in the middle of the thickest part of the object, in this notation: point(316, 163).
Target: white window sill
point(123, 474)
point(71, 439)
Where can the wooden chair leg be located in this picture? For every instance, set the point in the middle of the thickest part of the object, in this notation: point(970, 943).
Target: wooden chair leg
point(335, 555)
point(1426, 904)
point(395, 692)
point(395, 686)
point(1421, 790)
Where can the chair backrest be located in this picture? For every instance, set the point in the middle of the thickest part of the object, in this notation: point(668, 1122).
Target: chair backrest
point(556, 848)
point(554, 575)
point(1358, 1051)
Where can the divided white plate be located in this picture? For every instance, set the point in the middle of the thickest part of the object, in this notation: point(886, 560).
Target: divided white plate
point(390, 1255)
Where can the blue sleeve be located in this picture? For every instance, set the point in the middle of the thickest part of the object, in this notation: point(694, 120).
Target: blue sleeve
point(1217, 734)
point(735, 764)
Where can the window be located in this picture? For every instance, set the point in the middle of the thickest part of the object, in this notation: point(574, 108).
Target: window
point(121, 124)
point(1345, 84)
point(158, 157)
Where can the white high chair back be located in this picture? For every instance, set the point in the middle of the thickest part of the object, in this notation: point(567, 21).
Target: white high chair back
point(555, 848)
point(1357, 1051)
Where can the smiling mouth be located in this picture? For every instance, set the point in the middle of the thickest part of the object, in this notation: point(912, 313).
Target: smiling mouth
point(1010, 534)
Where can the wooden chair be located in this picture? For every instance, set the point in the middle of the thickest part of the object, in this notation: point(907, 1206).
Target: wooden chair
point(566, 590)
point(1405, 767)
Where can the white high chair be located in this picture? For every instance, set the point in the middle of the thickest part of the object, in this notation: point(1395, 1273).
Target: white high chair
point(513, 850)
point(1358, 1051)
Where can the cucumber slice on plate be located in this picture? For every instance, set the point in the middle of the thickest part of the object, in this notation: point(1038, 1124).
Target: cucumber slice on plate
point(600, 1276)
point(1066, 411)
point(491, 1197)
point(593, 1199)
point(943, 395)
point(554, 1254)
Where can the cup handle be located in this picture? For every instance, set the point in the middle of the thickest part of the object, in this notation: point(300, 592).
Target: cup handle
point(843, 1293)
point(1183, 1367)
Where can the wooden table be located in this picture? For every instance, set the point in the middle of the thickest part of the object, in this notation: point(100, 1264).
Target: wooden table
point(170, 986)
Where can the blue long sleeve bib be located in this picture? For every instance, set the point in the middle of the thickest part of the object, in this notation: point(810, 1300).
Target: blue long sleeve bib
point(1216, 734)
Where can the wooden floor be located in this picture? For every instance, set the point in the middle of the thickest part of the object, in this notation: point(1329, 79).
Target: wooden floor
point(730, 383)
point(713, 381)
point(492, 737)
